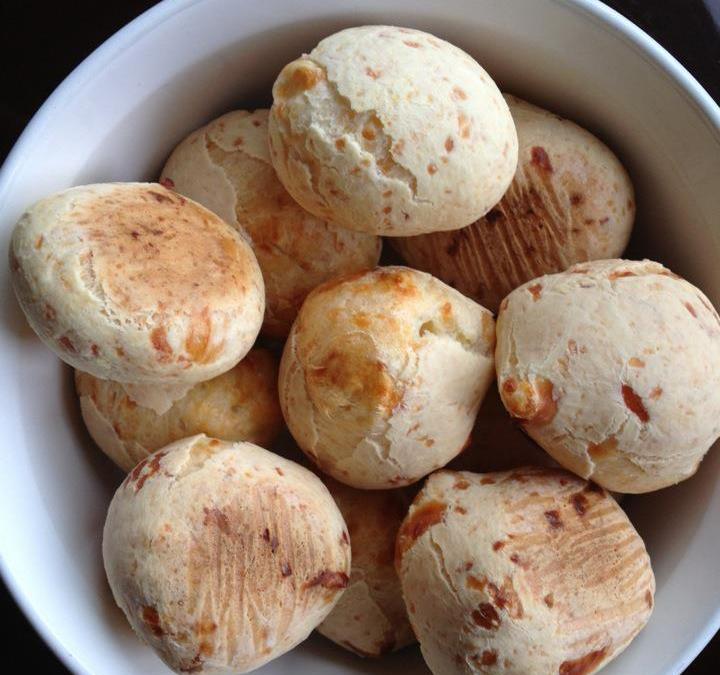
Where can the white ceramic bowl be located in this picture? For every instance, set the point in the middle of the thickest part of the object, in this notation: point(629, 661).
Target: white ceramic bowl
point(182, 63)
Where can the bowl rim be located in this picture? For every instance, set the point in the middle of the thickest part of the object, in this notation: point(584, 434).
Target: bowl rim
point(92, 65)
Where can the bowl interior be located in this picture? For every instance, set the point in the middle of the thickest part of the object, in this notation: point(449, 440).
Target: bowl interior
point(180, 65)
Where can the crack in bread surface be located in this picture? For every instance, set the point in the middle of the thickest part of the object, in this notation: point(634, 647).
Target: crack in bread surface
point(353, 122)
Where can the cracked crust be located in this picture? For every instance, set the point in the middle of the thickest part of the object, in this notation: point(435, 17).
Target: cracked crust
point(570, 201)
point(391, 131)
point(529, 571)
point(370, 619)
point(156, 397)
point(134, 283)
point(226, 167)
point(612, 367)
point(383, 374)
point(223, 555)
point(239, 405)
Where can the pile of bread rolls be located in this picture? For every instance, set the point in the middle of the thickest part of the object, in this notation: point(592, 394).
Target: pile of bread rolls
point(241, 293)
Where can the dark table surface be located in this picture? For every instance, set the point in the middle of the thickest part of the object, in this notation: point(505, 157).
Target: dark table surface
point(41, 42)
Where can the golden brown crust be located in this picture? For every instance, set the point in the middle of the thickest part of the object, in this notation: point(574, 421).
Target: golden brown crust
point(382, 375)
point(146, 258)
point(239, 405)
point(136, 283)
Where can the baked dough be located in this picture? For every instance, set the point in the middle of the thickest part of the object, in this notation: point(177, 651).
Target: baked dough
point(383, 374)
point(613, 367)
point(226, 167)
point(391, 131)
point(135, 283)
point(370, 618)
point(239, 405)
point(223, 555)
point(525, 572)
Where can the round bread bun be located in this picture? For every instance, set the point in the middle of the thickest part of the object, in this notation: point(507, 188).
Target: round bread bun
point(370, 619)
point(391, 131)
point(571, 200)
point(226, 167)
point(531, 571)
point(135, 283)
point(498, 443)
point(223, 555)
point(239, 405)
point(613, 367)
point(383, 374)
